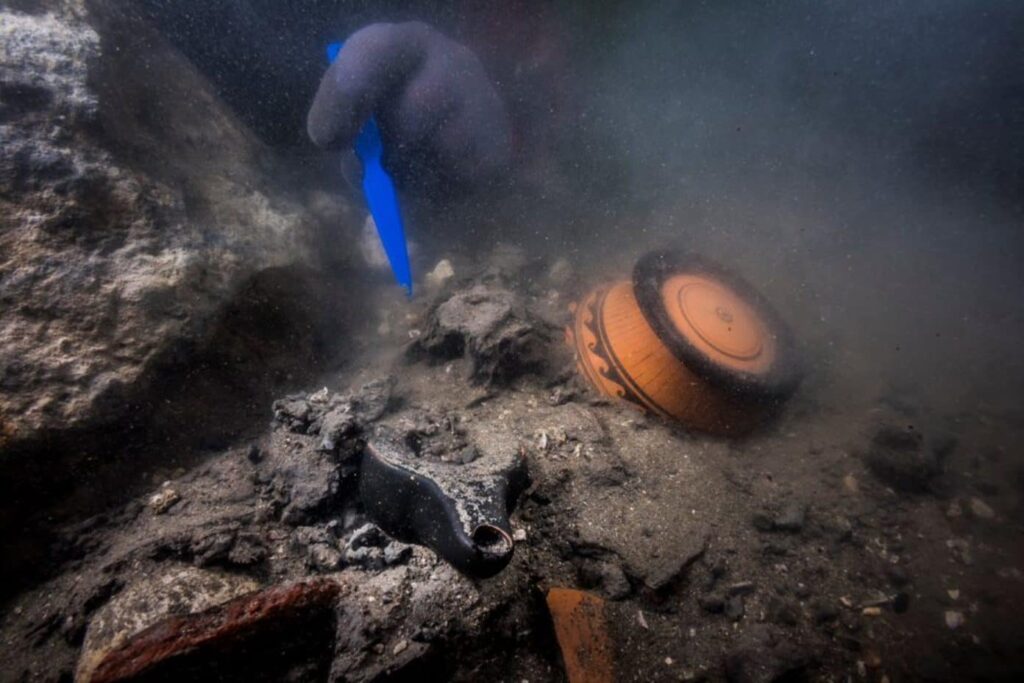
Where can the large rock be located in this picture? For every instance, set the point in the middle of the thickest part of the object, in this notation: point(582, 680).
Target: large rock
point(134, 209)
point(492, 327)
point(903, 457)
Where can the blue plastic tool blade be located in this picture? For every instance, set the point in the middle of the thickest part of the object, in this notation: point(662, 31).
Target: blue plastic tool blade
point(332, 51)
point(381, 196)
point(383, 202)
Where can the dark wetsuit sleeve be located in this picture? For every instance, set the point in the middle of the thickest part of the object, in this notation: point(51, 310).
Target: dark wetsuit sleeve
point(370, 65)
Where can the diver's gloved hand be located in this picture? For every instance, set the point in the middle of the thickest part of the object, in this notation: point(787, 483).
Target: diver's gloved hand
point(441, 119)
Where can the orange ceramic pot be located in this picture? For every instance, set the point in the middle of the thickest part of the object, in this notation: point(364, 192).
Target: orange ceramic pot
point(686, 340)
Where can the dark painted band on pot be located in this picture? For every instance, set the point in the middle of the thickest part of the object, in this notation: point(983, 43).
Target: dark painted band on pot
point(777, 383)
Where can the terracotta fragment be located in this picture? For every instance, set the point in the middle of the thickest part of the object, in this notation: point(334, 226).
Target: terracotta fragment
point(582, 631)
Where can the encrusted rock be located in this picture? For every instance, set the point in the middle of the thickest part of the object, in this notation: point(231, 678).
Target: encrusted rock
point(133, 209)
point(367, 536)
point(226, 546)
point(319, 546)
point(162, 501)
point(323, 557)
point(902, 457)
point(308, 481)
point(396, 553)
point(314, 437)
point(492, 327)
point(367, 548)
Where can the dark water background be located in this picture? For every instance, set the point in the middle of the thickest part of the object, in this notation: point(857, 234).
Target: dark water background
point(861, 161)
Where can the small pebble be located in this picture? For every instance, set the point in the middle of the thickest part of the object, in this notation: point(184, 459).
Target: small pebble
point(802, 591)
point(519, 535)
point(734, 608)
point(1010, 573)
point(981, 510)
point(161, 501)
point(400, 647)
point(323, 558)
point(560, 396)
point(954, 619)
point(396, 552)
point(441, 273)
point(961, 550)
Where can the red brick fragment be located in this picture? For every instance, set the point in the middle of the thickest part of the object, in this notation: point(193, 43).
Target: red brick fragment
point(216, 628)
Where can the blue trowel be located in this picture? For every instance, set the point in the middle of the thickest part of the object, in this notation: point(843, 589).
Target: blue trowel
point(381, 197)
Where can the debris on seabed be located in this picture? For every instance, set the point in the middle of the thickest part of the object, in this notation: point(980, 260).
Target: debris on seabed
point(161, 501)
point(981, 510)
point(442, 273)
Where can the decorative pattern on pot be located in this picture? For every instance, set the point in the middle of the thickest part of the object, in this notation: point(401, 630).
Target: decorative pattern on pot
point(686, 340)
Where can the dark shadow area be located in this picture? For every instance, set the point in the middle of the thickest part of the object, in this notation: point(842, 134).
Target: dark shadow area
point(284, 328)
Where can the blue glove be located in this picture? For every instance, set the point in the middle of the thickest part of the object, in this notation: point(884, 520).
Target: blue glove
point(441, 119)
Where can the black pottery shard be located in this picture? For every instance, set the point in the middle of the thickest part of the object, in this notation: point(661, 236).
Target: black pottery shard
point(460, 511)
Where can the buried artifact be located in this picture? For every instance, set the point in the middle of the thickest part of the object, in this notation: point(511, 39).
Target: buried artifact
point(460, 512)
point(687, 340)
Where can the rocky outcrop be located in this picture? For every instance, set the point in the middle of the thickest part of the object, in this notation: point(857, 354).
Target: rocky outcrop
point(134, 212)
